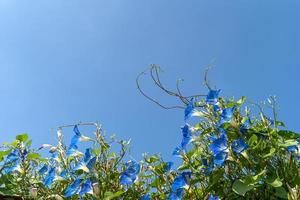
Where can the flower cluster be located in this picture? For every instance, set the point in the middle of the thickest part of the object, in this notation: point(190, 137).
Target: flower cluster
point(226, 152)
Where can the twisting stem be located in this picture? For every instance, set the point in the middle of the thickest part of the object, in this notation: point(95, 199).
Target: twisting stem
point(154, 74)
point(150, 98)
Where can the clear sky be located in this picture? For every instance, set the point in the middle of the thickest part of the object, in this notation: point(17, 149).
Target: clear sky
point(67, 61)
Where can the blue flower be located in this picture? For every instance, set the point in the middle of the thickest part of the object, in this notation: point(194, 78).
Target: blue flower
point(74, 188)
point(130, 175)
point(219, 149)
point(168, 166)
point(49, 179)
point(145, 197)
point(43, 169)
point(178, 151)
point(245, 126)
point(187, 136)
point(87, 155)
point(208, 168)
point(219, 145)
point(212, 96)
point(189, 109)
point(212, 197)
point(91, 163)
point(73, 151)
point(181, 181)
point(292, 148)
point(238, 146)
point(226, 115)
point(176, 195)
point(13, 167)
point(86, 188)
point(13, 156)
point(78, 137)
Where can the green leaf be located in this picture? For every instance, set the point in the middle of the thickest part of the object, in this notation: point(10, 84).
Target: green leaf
point(288, 134)
point(289, 143)
point(152, 159)
point(279, 123)
point(33, 155)
point(110, 195)
point(281, 193)
point(240, 187)
point(275, 182)
point(272, 151)
point(22, 137)
point(241, 101)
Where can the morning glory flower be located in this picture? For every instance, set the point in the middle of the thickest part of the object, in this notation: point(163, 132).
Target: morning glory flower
point(226, 115)
point(238, 146)
point(145, 197)
point(219, 149)
point(207, 169)
point(245, 126)
point(73, 151)
point(176, 195)
point(13, 156)
point(130, 175)
point(212, 96)
point(91, 163)
point(86, 188)
point(189, 110)
point(87, 154)
point(43, 169)
point(292, 148)
point(181, 181)
point(178, 151)
point(187, 136)
point(78, 137)
point(74, 188)
point(13, 167)
point(49, 179)
point(168, 166)
point(212, 197)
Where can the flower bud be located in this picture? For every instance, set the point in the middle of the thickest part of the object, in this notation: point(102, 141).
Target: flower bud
point(96, 189)
point(33, 192)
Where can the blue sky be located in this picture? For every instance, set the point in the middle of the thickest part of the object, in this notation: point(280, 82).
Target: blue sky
point(67, 61)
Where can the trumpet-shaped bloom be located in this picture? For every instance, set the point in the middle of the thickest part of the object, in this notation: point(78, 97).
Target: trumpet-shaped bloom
point(86, 188)
point(181, 181)
point(49, 179)
point(178, 151)
point(219, 149)
point(130, 175)
point(74, 188)
point(13, 156)
point(87, 155)
point(212, 96)
point(207, 169)
point(212, 197)
point(168, 166)
point(292, 148)
point(187, 136)
point(188, 112)
point(238, 146)
point(245, 126)
point(13, 167)
point(226, 115)
point(43, 169)
point(176, 195)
